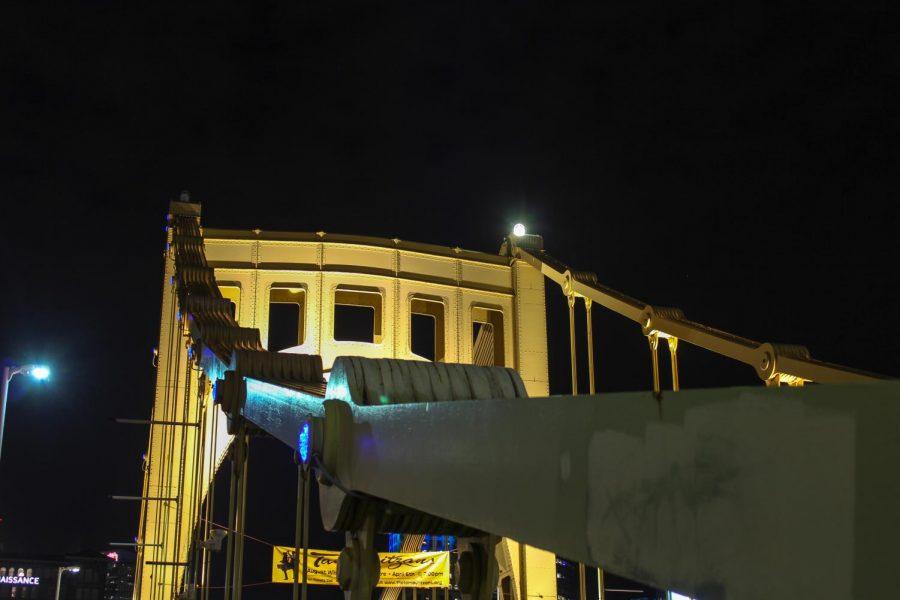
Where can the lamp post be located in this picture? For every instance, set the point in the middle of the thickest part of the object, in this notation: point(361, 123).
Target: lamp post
point(59, 572)
point(37, 371)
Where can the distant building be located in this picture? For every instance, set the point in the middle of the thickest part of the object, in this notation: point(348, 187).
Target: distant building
point(567, 580)
point(119, 578)
point(101, 576)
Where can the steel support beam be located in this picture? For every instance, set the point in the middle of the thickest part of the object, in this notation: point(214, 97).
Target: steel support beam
point(737, 493)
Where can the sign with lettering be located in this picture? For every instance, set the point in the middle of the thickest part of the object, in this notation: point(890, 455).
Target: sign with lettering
point(18, 577)
point(398, 569)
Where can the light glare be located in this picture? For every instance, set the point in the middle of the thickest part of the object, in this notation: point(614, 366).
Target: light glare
point(40, 372)
point(518, 230)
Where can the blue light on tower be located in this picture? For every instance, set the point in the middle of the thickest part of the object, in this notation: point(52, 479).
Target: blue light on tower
point(303, 442)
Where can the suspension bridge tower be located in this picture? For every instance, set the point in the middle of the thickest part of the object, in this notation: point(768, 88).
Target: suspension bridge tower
point(333, 295)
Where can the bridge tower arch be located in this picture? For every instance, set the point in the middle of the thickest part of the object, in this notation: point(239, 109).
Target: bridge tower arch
point(485, 309)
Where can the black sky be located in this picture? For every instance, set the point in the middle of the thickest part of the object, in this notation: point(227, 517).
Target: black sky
point(735, 159)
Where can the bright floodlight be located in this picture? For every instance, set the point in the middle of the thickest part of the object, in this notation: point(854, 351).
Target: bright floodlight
point(73, 569)
point(39, 372)
point(519, 230)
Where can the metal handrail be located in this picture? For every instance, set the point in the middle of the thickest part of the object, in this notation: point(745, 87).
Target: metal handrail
point(772, 362)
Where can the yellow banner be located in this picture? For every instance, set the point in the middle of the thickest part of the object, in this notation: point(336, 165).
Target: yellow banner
point(398, 569)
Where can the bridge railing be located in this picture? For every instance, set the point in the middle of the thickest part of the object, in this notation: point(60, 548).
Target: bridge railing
point(774, 363)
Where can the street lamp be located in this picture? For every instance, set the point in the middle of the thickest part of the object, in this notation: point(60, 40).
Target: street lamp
point(39, 372)
point(59, 572)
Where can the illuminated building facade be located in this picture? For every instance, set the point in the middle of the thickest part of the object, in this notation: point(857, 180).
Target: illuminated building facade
point(34, 577)
point(119, 579)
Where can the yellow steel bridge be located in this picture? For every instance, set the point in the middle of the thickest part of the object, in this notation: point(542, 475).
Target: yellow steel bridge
point(779, 491)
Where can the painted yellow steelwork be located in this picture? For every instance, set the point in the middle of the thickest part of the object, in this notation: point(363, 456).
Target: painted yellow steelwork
point(464, 282)
point(317, 271)
point(487, 309)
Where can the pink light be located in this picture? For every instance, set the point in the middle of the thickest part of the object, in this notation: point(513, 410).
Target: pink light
point(113, 555)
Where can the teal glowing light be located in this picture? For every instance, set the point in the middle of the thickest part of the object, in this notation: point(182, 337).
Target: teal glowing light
point(40, 372)
point(280, 411)
point(303, 442)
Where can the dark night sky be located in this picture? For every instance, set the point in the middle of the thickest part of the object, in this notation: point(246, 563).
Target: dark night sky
point(734, 159)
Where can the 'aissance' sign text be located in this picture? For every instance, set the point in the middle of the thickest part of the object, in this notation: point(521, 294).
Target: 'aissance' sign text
point(16, 580)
